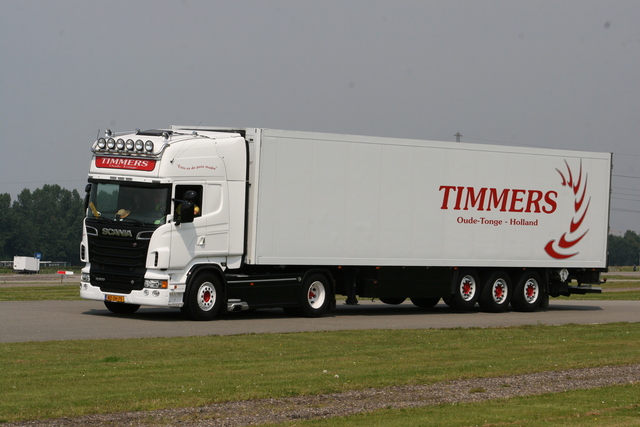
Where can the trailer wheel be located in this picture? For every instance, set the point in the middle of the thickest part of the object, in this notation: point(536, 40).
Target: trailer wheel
point(425, 302)
point(393, 301)
point(527, 294)
point(203, 298)
point(120, 308)
point(496, 293)
point(466, 290)
point(316, 295)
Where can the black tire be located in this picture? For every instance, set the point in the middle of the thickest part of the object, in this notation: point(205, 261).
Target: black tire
point(204, 297)
point(425, 302)
point(316, 295)
point(393, 301)
point(527, 294)
point(496, 293)
point(466, 290)
point(120, 308)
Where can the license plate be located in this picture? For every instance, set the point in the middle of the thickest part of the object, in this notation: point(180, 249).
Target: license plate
point(114, 298)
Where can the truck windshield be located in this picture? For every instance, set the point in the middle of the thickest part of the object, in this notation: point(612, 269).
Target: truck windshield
point(128, 203)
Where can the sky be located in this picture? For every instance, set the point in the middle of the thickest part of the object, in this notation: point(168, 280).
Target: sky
point(556, 74)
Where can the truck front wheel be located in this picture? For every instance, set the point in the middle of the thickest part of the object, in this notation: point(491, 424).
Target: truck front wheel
point(316, 295)
point(393, 301)
point(425, 302)
point(120, 308)
point(203, 298)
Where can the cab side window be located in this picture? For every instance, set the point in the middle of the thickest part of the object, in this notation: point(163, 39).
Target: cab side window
point(193, 193)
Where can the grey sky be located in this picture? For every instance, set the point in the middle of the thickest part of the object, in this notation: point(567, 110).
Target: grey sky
point(563, 74)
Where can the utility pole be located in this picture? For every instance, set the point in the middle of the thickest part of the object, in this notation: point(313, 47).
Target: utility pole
point(458, 136)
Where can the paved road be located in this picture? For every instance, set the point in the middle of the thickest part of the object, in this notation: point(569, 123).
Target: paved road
point(67, 320)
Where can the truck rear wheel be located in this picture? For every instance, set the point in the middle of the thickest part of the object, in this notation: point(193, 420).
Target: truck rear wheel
point(120, 308)
point(425, 302)
point(465, 291)
point(496, 293)
point(316, 295)
point(527, 294)
point(203, 298)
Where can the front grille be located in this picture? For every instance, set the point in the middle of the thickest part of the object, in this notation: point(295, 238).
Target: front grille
point(119, 283)
point(118, 262)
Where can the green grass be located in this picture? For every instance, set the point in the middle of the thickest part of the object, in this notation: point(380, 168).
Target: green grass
point(617, 288)
point(41, 293)
point(604, 296)
point(45, 270)
point(613, 276)
point(608, 406)
point(71, 378)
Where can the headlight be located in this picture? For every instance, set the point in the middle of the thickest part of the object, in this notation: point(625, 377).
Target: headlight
point(130, 144)
point(156, 284)
point(148, 146)
point(120, 144)
point(86, 277)
point(139, 145)
point(111, 143)
point(102, 143)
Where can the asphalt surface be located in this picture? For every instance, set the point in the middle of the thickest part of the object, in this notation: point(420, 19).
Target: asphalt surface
point(69, 320)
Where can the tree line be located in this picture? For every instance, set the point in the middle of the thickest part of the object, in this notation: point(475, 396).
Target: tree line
point(49, 221)
point(624, 250)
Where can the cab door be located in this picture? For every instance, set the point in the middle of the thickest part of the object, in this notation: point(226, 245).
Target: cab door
point(208, 235)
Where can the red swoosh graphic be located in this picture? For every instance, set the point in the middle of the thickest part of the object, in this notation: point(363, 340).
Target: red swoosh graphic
point(577, 204)
point(552, 252)
point(564, 243)
point(564, 181)
point(568, 181)
point(575, 225)
point(577, 185)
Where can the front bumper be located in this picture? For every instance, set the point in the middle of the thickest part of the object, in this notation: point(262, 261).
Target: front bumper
point(153, 297)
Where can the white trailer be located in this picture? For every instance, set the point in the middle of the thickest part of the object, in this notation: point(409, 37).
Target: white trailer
point(25, 264)
point(290, 219)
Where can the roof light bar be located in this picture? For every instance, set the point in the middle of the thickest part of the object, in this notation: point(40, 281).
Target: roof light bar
point(113, 144)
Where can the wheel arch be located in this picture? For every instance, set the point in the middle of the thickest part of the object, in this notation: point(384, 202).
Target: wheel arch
point(214, 269)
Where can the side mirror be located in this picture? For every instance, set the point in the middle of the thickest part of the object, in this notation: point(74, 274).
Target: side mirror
point(184, 211)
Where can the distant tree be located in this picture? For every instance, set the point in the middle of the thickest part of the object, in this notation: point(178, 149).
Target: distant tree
point(624, 250)
point(49, 221)
point(5, 227)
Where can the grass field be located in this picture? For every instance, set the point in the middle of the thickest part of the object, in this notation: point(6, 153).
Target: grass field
point(41, 293)
point(70, 378)
point(40, 380)
point(571, 409)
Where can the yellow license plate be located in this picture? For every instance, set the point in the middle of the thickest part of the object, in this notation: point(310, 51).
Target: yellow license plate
point(114, 298)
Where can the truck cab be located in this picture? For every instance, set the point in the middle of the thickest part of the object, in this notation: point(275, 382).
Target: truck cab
point(142, 238)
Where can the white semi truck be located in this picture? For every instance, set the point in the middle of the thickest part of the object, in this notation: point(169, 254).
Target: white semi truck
point(211, 220)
